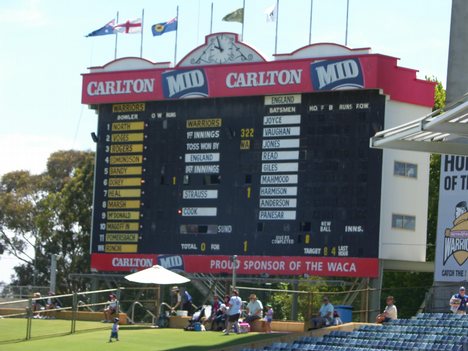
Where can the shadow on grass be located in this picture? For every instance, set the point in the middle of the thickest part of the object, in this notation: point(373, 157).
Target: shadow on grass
point(229, 343)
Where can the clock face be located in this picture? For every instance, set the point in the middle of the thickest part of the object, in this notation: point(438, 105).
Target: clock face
point(221, 49)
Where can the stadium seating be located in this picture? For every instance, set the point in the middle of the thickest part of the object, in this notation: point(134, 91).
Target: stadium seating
point(427, 331)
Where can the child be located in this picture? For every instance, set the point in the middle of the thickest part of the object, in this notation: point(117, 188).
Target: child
point(268, 318)
point(115, 330)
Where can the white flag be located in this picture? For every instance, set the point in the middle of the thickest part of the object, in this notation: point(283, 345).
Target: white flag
point(129, 27)
point(271, 13)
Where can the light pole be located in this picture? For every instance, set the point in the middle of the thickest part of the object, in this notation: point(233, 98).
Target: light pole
point(234, 267)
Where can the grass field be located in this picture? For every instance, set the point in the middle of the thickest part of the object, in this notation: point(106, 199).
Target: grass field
point(52, 335)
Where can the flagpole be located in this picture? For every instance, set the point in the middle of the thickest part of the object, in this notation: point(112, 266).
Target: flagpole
point(141, 33)
point(176, 35)
point(211, 20)
point(243, 15)
point(116, 36)
point(276, 32)
point(347, 13)
point(310, 22)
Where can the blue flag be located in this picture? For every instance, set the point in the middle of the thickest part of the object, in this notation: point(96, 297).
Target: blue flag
point(164, 27)
point(106, 30)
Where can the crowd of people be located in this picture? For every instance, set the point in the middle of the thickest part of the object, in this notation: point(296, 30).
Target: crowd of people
point(43, 308)
point(228, 314)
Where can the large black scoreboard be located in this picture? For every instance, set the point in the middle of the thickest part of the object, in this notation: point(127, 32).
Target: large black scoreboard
point(278, 175)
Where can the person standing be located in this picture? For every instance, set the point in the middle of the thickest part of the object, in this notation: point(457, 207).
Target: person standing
point(187, 304)
point(115, 330)
point(176, 298)
point(234, 310)
point(390, 312)
point(458, 302)
point(254, 309)
point(325, 315)
point(268, 318)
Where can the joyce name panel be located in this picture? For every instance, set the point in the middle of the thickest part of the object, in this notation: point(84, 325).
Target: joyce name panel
point(284, 175)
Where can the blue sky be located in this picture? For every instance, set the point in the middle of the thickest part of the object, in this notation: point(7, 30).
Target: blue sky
point(43, 51)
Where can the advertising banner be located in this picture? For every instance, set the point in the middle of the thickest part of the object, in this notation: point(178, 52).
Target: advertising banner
point(452, 226)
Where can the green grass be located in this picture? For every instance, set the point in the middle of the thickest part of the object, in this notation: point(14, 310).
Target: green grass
point(52, 335)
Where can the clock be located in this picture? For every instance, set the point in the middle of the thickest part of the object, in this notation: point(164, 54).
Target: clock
point(223, 48)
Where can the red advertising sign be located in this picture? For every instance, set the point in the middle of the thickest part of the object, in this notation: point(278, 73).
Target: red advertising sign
point(260, 78)
point(271, 265)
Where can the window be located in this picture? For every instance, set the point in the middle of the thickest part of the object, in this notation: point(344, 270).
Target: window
point(403, 222)
point(405, 169)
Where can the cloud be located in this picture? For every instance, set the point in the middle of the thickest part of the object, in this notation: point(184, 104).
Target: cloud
point(27, 13)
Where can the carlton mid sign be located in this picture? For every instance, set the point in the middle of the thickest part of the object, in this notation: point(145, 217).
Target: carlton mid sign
point(337, 74)
point(261, 78)
point(272, 265)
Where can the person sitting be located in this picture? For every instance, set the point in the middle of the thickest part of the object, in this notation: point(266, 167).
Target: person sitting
point(214, 311)
point(458, 302)
point(325, 315)
point(38, 305)
point(111, 308)
point(390, 312)
point(254, 309)
point(52, 303)
point(220, 317)
point(336, 318)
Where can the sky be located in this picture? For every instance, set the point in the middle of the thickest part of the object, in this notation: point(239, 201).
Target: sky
point(44, 51)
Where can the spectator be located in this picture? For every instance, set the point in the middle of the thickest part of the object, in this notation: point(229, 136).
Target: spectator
point(336, 318)
point(187, 304)
point(233, 313)
point(214, 310)
point(458, 302)
point(52, 304)
point(220, 318)
point(389, 313)
point(254, 309)
point(176, 298)
point(38, 305)
point(115, 330)
point(111, 308)
point(268, 318)
point(325, 315)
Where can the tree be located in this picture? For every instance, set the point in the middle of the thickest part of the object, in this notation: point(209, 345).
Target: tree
point(47, 214)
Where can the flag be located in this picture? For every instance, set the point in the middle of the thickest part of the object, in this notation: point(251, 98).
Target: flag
point(235, 16)
point(271, 13)
point(129, 27)
point(106, 30)
point(164, 27)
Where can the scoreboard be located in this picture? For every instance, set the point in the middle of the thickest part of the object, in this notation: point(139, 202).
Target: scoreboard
point(278, 175)
point(227, 154)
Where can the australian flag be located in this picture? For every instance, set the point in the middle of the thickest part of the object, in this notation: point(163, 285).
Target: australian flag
point(106, 30)
point(164, 27)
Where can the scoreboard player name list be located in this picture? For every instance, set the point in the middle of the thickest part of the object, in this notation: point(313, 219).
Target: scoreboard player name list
point(122, 180)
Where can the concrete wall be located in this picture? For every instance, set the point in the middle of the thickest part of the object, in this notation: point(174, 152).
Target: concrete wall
point(403, 195)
